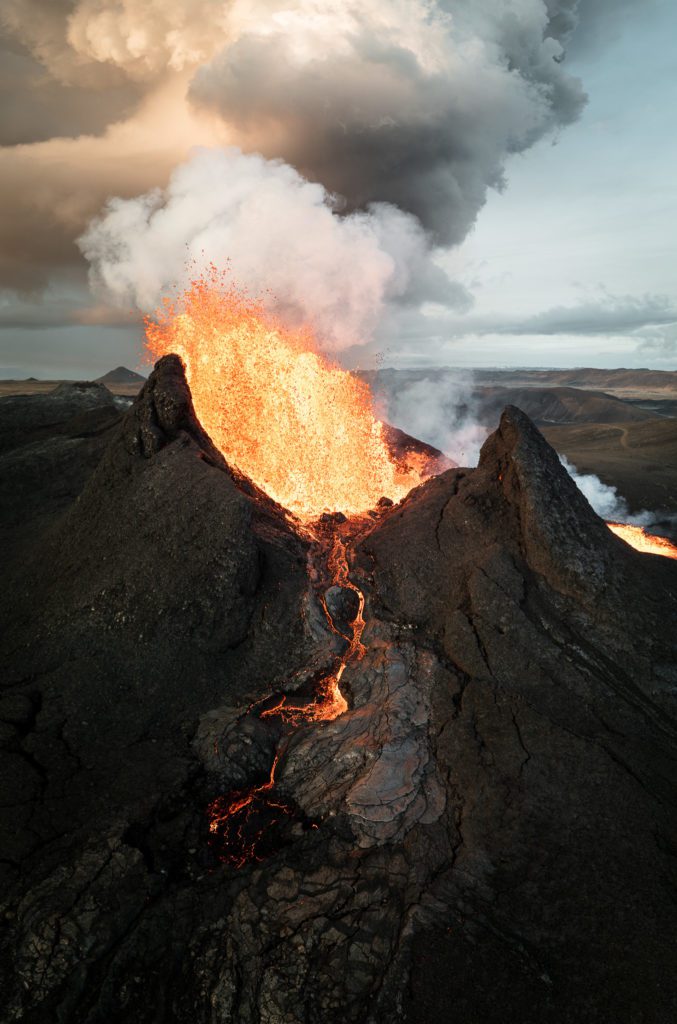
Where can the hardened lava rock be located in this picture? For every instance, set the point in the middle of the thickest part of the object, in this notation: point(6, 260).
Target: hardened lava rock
point(343, 605)
point(487, 833)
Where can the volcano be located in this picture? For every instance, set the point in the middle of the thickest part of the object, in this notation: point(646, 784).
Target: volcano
point(414, 764)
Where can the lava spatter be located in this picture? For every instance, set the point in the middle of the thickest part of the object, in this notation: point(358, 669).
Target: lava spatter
point(648, 543)
point(300, 427)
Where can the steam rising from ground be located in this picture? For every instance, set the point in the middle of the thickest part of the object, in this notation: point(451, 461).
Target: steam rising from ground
point(611, 506)
point(441, 411)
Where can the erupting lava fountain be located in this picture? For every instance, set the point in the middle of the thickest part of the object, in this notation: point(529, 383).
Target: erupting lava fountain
point(301, 428)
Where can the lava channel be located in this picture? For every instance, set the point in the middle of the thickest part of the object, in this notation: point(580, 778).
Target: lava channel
point(248, 825)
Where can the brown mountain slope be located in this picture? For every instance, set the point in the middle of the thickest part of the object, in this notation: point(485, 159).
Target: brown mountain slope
point(622, 379)
point(557, 405)
point(640, 459)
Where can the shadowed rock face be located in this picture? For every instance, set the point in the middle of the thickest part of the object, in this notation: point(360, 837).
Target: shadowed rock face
point(488, 833)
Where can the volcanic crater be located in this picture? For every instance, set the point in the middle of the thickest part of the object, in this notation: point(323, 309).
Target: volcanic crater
point(414, 763)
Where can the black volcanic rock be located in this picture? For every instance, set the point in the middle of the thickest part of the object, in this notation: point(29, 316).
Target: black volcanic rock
point(49, 446)
point(488, 833)
point(557, 737)
point(343, 605)
point(28, 418)
point(159, 571)
point(402, 447)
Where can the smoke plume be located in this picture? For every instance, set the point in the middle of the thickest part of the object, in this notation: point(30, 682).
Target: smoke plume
point(367, 135)
point(282, 237)
point(440, 410)
point(412, 103)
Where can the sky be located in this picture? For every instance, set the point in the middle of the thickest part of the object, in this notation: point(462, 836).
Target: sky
point(509, 181)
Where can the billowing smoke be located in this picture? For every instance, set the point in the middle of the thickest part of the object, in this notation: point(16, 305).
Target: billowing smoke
point(412, 102)
point(145, 38)
point(281, 236)
point(392, 117)
point(439, 410)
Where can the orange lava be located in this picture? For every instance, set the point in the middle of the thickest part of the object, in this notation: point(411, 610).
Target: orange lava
point(242, 822)
point(329, 702)
point(648, 543)
point(239, 821)
point(301, 428)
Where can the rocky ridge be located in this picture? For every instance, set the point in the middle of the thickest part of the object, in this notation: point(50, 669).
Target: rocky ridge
point(491, 826)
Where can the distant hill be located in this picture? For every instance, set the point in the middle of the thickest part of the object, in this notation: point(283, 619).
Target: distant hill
point(121, 375)
point(557, 405)
point(584, 377)
point(624, 383)
point(637, 458)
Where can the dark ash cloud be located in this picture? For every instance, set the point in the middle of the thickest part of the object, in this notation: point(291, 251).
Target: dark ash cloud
point(420, 112)
point(34, 107)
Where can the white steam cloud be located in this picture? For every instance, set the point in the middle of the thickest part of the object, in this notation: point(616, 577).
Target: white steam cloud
point(281, 236)
point(610, 505)
point(439, 410)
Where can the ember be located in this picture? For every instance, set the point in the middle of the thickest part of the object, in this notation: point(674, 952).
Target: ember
point(298, 426)
point(247, 825)
point(648, 543)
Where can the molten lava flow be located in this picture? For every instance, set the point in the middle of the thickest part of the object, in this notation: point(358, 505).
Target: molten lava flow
point(648, 543)
point(329, 702)
point(240, 823)
point(301, 429)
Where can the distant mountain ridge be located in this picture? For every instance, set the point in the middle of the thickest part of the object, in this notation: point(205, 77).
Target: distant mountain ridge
point(556, 405)
point(588, 378)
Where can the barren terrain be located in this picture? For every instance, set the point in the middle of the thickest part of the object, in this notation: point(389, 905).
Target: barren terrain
point(485, 827)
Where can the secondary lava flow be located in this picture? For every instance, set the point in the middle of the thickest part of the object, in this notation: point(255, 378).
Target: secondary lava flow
point(301, 428)
point(240, 821)
point(648, 543)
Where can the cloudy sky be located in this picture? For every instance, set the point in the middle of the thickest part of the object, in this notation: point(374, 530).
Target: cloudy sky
point(507, 174)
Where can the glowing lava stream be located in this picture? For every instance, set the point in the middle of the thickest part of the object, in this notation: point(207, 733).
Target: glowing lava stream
point(647, 543)
point(329, 702)
point(231, 819)
point(240, 821)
